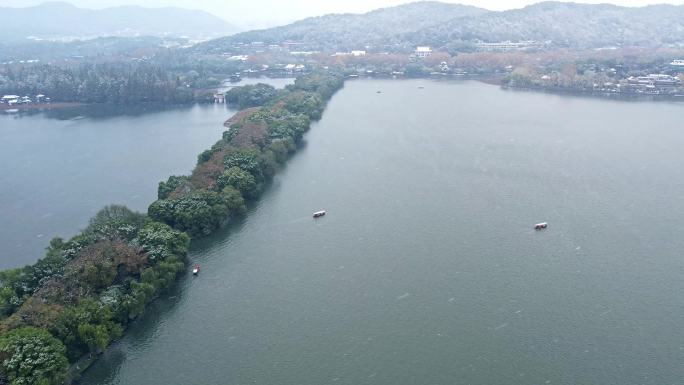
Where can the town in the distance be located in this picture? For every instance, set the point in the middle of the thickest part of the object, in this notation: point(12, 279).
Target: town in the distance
point(559, 47)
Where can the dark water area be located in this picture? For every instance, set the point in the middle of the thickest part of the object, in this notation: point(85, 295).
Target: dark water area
point(426, 269)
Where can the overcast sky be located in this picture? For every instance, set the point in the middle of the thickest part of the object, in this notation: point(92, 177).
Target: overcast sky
point(254, 13)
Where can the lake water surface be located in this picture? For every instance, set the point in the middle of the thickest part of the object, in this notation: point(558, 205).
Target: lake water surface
point(426, 269)
point(58, 168)
point(57, 171)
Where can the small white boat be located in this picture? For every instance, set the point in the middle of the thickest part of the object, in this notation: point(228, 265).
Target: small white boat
point(196, 270)
point(541, 226)
point(319, 214)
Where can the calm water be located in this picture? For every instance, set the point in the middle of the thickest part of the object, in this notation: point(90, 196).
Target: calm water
point(58, 168)
point(56, 173)
point(426, 270)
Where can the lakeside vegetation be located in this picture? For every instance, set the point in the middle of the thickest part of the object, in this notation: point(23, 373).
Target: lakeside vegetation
point(235, 169)
point(533, 47)
point(84, 292)
point(81, 295)
point(117, 83)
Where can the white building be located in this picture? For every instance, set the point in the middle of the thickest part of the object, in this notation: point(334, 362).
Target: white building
point(677, 63)
point(302, 53)
point(239, 58)
point(653, 80)
point(350, 53)
point(10, 99)
point(423, 51)
point(504, 46)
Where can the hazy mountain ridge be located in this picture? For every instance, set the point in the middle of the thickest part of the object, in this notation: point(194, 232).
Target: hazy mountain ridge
point(566, 25)
point(442, 25)
point(353, 31)
point(98, 49)
point(58, 19)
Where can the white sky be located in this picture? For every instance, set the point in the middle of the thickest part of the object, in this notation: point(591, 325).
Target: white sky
point(254, 13)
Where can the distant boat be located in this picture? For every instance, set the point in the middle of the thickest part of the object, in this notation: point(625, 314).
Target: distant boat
point(196, 270)
point(541, 226)
point(420, 87)
point(319, 214)
point(379, 92)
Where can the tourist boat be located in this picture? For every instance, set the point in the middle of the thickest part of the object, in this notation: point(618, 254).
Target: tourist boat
point(195, 270)
point(541, 226)
point(319, 214)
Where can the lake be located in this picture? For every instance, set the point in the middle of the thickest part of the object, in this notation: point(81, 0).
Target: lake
point(426, 269)
point(58, 168)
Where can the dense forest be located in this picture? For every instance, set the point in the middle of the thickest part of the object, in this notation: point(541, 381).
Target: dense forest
point(97, 50)
point(330, 33)
point(81, 295)
point(456, 28)
point(118, 82)
point(236, 168)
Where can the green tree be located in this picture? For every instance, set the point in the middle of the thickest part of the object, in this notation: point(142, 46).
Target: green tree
point(247, 160)
point(251, 95)
point(87, 327)
point(115, 221)
point(240, 179)
point(233, 200)
point(166, 188)
point(31, 356)
point(94, 336)
point(160, 241)
point(198, 213)
point(12, 291)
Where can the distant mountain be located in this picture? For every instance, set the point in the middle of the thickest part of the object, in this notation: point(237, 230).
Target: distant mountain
point(454, 27)
point(354, 31)
point(100, 49)
point(56, 20)
point(568, 25)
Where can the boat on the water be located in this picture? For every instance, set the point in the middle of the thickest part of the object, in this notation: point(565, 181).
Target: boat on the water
point(541, 226)
point(319, 214)
point(196, 270)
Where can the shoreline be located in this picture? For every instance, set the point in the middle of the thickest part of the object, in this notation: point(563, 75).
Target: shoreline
point(625, 96)
point(244, 137)
point(498, 80)
point(38, 107)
